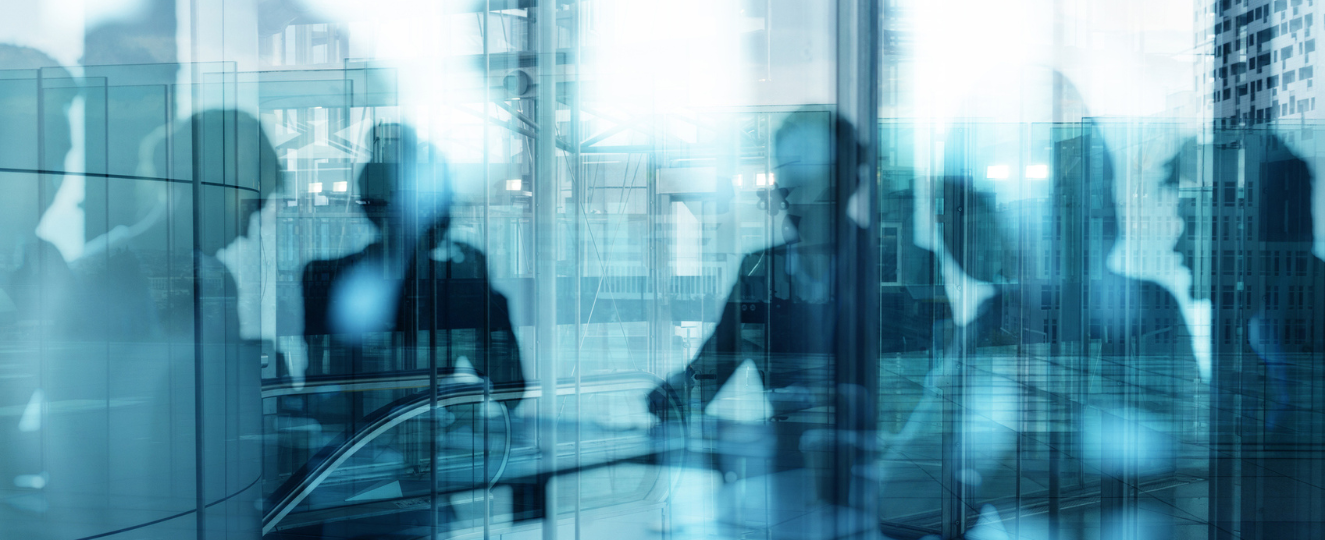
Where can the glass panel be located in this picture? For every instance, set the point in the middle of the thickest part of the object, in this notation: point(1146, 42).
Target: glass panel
point(589, 268)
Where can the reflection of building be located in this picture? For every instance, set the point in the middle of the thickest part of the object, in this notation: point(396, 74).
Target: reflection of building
point(1264, 60)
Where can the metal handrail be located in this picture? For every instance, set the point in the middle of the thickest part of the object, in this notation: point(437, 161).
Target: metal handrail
point(332, 456)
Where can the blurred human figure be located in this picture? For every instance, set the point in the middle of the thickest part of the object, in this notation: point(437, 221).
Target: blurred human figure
point(99, 323)
point(780, 320)
point(35, 272)
point(406, 302)
point(35, 280)
point(398, 286)
point(1030, 291)
point(1264, 283)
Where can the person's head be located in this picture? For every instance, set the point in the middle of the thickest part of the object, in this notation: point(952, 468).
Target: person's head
point(20, 99)
point(1285, 194)
point(406, 184)
point(1279, 183)
point(804, 150)
point(230, 148)
point(1031, 145)
point(34, 82)
point(974, 232)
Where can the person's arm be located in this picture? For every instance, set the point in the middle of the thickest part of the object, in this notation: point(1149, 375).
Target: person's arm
point(715, 363)
point(503, 363)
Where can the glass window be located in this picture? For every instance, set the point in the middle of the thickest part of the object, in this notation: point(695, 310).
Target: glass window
point(816, 269)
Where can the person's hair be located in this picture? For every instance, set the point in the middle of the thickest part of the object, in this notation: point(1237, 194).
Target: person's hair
point(1285, 193)
point(20, 57)
point(234, 142)
point(407, 175)
point(17, 57)
point(804, 137)
point(1091, 146)
point(1071, 189)
point(973, 231)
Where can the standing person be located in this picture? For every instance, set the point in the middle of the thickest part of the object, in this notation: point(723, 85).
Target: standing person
point(387, 288)
point(397, 308)
point(100, 323)
point(35, 281)
point(781, 320)
point(1265, 286)
point(1031, 292)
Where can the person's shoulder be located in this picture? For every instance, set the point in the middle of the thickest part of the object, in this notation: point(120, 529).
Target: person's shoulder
point(466, 260)
point(1158, 295)
point(208, 263)
point(755, 260)
point(337, 262)
point(464, 252)
point(327, 269)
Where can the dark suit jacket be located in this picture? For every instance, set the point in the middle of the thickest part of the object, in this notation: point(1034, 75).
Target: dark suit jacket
point(455, 303)
point(768, 321)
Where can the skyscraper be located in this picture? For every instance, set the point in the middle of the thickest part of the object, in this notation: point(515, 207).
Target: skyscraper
point(1264, 60)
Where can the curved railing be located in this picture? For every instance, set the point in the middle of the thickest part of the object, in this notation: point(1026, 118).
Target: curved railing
point(356, 382)
point(332, 456)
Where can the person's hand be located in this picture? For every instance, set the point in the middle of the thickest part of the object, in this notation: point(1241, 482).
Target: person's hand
point(666, 401)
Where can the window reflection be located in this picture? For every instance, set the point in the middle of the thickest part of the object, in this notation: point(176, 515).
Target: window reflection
point(887, 269)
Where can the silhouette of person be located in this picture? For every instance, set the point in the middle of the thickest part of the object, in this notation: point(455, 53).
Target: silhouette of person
point(1264, 288)
point(396, 287)
point(37, 275)
point(979, 276)
point(784, 287)
point(780, 319)
point(97, 326)
point(35, 281)
point(1028, 271)
point(407, 301)
point(1145, 347)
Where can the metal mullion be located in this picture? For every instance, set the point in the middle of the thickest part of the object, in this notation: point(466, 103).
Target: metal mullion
point(857, 283)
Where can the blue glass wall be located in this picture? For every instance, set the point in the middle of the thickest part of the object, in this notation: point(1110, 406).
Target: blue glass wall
point(303, 269)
